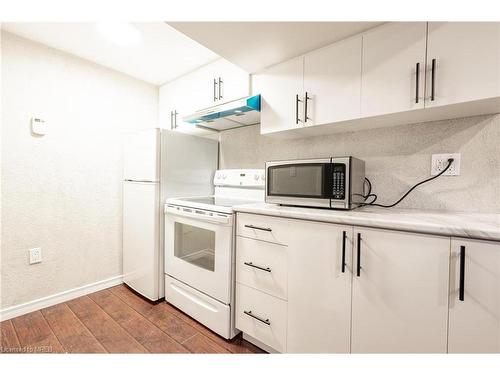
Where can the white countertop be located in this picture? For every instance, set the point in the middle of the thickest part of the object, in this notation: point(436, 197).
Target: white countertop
point(459, 224)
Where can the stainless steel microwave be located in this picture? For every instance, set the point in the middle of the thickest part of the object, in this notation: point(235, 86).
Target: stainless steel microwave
point(335, 182)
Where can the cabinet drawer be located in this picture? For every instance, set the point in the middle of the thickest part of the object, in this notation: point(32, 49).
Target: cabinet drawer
point(262, 265)
point(265, 228)
point(261, 316)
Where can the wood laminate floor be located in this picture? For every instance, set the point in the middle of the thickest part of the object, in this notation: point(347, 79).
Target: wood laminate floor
point(114, 320)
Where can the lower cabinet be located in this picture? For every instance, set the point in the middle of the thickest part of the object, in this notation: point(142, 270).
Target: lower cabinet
point(328, 288)
point(474, 321)
point(399, 292)
point(319, 288)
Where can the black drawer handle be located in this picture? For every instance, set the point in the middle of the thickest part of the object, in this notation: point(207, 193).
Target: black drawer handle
point(258, 228)
point(262, 320)
point(344, 235)
point(358, 268)
point(461, 290)
point(250, 264)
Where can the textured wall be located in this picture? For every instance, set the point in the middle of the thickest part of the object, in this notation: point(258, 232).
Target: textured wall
point(63, 191)
point(396, 158)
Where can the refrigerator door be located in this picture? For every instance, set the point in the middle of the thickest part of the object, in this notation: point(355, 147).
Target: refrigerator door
point(141, 238)
point(141, 155)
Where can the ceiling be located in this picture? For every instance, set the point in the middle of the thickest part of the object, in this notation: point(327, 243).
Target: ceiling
point(256, 45)
point(162, 55)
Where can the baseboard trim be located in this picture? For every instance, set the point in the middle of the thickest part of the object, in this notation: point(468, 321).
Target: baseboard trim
point(54, 299)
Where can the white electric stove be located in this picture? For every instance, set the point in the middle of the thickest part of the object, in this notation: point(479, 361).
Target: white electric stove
point(199, 248)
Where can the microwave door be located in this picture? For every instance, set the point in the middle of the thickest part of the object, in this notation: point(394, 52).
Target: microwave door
point(304, 183)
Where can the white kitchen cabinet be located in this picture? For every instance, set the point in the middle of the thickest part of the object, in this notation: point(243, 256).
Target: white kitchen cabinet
point(474, 319)
point(332, 81)
point(212, 84)
point(466, 58)
point(319, 288)
point(400, 296)
point(281, 88)
point(230, 81)
point(173, 106)
point(393, 75)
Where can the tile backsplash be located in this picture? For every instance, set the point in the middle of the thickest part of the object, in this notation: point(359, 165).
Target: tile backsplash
point(396, 159)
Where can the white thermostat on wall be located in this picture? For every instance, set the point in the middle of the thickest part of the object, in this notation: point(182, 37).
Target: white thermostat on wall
point(38, 126)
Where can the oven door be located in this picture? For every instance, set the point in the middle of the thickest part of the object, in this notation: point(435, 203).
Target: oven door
point(198, 249)
point(299, 182)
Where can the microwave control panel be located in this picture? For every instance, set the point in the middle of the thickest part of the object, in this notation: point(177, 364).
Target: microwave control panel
point(338, 183)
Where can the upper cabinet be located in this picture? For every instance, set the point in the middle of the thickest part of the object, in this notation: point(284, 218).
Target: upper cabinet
point(281, 89)
point(216, 83)
point(318, 88)
point(228, 82)
point(332, 82)
point(463, 62)
point(397, 73)
point(393, 75)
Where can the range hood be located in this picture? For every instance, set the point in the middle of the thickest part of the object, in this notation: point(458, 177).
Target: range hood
point(234, 114)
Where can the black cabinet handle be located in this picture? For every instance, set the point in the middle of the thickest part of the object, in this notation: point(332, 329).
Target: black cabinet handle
point(417, 81)
point(220, 88)
point(344, 235)
point(297, 100)
point(250, 264)
point(262, 320)
point(433, 79)
point(358, 268)
point(172, 120)
point(215, 90)
point(175, 118)
point(461, 289)
point(258, 228)
point(306, 98)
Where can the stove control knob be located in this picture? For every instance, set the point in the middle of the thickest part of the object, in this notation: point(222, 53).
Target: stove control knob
point(256, 177)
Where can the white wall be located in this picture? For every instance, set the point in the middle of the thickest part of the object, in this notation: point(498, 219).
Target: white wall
point(396, 158)
point(62, 192)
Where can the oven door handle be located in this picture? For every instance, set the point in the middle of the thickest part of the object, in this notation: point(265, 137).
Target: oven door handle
point(191, 213)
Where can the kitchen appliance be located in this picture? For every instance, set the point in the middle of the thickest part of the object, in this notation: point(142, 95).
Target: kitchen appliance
point(234, 114)
point(158, 164)
point(199, 248)
point(335, 182)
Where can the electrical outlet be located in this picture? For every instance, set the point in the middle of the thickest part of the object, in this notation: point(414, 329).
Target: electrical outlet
point(35, 255)
point(440, 161)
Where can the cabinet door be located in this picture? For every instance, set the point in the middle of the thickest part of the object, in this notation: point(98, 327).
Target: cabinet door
point(166, 105)
point(279, 86)
point(319, 290)
point(235, 82)
point(332, 80)
point(391, 53)
point(400, 298)
point(174, 103)
point(467, 62)
point(474, 322)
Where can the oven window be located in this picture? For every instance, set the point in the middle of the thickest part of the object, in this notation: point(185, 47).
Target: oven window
point(195, 245)
point(298, 180)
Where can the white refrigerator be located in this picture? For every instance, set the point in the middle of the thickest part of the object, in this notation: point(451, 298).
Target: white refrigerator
point(158, 164)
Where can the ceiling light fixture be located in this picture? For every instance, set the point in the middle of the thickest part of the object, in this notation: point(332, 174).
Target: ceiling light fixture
point(120, 33)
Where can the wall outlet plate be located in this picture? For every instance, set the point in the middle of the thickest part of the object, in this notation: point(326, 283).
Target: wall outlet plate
point(35, 255)
point(440, 161)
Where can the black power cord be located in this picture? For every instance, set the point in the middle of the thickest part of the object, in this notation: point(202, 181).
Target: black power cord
point(374, 196)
